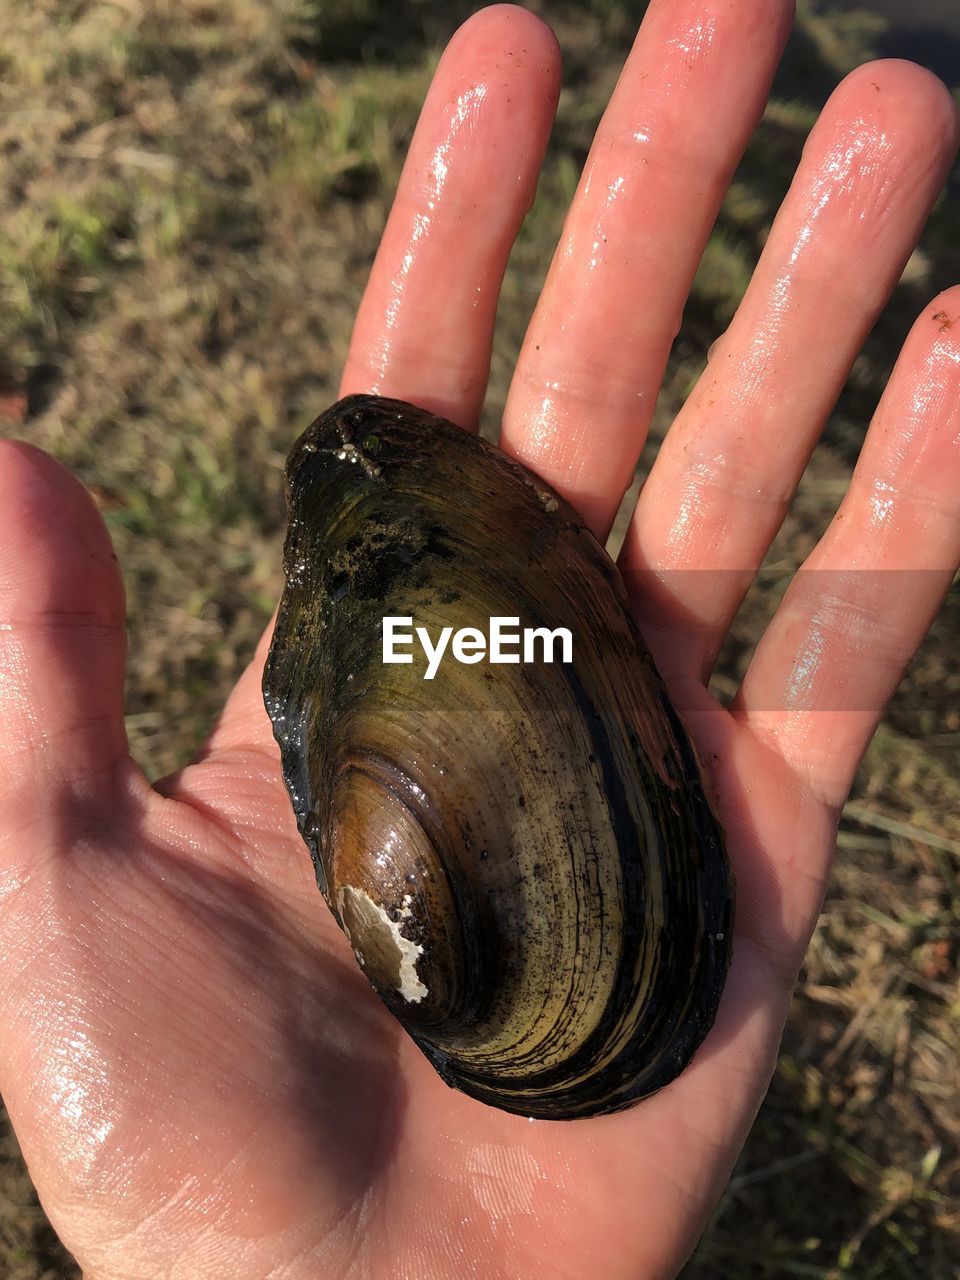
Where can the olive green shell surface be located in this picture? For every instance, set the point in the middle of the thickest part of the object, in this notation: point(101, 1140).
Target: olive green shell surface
point(523, 856)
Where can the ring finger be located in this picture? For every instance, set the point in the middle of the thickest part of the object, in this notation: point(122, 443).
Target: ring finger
point(731, 462)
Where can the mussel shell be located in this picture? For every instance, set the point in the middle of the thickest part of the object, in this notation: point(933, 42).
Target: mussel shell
point(523, 857)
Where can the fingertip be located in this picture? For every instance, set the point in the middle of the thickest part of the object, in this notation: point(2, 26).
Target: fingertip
point(22, 465)
point(514, 23)
point(30, 475)
point(937, 333)
point(933, 343)
point(903, 95)
point(55, 550)
point(875, 161)
point(62, 638)
point(513, 54)
point(512, 58)
point(945, 309)
point(912, 457)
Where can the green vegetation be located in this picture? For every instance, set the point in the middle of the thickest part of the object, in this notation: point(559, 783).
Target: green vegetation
point(190, 199)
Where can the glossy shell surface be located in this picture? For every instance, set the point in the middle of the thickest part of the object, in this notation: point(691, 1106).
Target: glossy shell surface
point(522, 856)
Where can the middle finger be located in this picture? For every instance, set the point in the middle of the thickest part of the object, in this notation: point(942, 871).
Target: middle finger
point(593, 357)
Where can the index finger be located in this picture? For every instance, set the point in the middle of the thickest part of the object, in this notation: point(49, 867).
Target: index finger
point(424, 329)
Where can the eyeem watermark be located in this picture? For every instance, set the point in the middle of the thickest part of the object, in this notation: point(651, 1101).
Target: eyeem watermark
point(506, 642)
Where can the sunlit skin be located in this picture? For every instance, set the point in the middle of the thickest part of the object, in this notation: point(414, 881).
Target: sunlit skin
point(202, 1081)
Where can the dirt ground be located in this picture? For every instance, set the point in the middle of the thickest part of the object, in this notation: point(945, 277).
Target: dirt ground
point(190, 200)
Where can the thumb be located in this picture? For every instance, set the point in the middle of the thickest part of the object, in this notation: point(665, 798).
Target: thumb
point(62, 649)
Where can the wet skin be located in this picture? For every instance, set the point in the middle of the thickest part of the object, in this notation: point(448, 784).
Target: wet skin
point(202, 1081)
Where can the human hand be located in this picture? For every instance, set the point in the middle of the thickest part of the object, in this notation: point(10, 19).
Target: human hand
point(201, 1079)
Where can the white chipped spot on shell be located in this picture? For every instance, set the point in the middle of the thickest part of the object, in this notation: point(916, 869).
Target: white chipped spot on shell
point(357, 905)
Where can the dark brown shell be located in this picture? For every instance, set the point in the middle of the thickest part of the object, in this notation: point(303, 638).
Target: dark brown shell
point(522, 856)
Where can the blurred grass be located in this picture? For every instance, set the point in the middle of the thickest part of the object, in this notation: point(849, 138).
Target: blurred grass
point(190, 200)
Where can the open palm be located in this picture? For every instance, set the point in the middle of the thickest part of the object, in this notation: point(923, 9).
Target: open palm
point(201, 1079)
